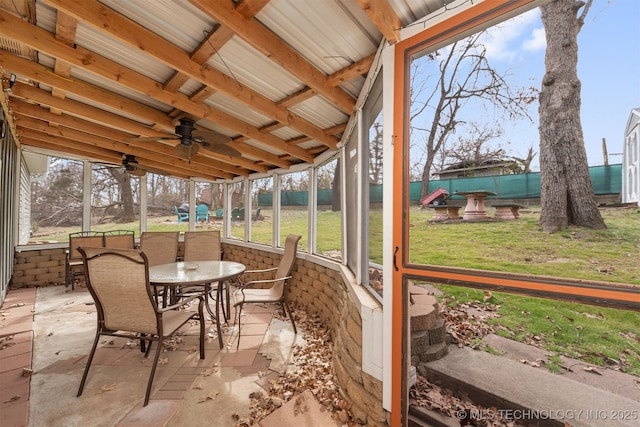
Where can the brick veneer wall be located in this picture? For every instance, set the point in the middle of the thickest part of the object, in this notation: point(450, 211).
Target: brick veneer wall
point(319, 288)
point(41, 267)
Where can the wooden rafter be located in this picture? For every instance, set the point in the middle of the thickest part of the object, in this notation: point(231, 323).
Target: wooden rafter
point(53, 92)
point(270, 45)
point(44, 42)
point(385, 18)
point(94, 14)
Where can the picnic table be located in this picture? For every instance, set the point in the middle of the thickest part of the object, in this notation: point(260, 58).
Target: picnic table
point(475, 208)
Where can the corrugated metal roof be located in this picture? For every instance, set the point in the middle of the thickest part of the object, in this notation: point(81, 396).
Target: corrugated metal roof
point(310, 29)
point(245, 64)
point(326, 35)
point(179, 22)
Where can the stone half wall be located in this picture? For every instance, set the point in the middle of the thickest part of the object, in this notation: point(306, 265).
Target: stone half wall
point(42, 267)
point(322, 288)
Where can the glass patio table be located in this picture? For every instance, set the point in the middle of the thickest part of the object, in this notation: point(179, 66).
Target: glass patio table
point(201, 273)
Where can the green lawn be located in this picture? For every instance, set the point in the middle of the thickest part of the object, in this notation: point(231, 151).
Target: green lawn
point(598, 335)
point(595, 334)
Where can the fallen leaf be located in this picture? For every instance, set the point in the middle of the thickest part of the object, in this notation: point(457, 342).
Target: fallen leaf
point(212, 370)
point(210, 396)
point(13, 399)
point(592, 370)
point(598, 316)
point(163, 361)
point(106, 388)
point(536, 364)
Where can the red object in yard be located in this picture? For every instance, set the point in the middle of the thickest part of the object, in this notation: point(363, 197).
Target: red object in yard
point(436, 197)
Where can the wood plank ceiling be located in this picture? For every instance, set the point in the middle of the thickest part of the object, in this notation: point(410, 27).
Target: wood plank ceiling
point(279, 78)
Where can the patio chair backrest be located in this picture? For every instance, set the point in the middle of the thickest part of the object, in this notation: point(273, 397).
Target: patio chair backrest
point(288, 257)
point(202, 246)
point(119, 239)
point(91, 239)
point(159, 247)
point(118, 280)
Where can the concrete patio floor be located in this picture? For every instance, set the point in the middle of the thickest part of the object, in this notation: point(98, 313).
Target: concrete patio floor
point(52, 332)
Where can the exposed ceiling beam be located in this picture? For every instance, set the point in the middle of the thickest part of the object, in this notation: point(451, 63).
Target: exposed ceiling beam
point(42, 143)
point(106, 20)
point(39, 73)
point(36, 112)
point(214, 41)
point(126, 107)
point(73, 137)
point(123, 132)
point(275, 49)
point(384, 17)
point(66, 33)
point(354, 70)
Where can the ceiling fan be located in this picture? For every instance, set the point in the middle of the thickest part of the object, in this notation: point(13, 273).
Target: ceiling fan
point(130, 164)
point(187, 134)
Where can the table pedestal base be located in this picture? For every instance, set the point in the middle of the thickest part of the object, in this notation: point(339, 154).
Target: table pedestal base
point(475, 215)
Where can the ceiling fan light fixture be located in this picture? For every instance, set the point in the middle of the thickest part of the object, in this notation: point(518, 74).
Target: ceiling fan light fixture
point(130, 164)
point(187, 151)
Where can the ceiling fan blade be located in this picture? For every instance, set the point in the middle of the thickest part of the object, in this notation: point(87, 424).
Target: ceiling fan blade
point(152, 138)
point(209, 136)
point(222, 149)
point(214, 142)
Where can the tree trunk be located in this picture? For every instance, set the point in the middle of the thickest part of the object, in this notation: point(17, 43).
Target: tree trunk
point(126, 195)
point(336, 199)
point(426, 175)
point(566, 193)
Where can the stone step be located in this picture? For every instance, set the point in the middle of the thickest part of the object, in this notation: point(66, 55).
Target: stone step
point(528, 395)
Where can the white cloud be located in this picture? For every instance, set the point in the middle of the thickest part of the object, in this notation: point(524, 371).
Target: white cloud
point(536, 41)
point(504, 41)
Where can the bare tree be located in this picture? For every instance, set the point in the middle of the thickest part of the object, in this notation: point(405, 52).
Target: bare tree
point(523, 164)
point(336, 195)
point(566, 193)
point(57, 200)
point(474, 148)
point(123, 181)
point(464, 75)
point(375, 155)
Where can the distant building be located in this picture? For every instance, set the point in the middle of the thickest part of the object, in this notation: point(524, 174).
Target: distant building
point(631, 159)
point(475, 168)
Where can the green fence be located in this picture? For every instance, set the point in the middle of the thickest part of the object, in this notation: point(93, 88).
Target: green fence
point(605, 180)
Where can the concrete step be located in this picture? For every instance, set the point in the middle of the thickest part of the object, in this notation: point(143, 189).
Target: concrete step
point(526, 394)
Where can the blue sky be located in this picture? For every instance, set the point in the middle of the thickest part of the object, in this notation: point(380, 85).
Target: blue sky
point(608, 66)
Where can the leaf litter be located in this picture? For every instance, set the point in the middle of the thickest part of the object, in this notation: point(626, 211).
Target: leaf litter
point(311, 368)
point(466, 326)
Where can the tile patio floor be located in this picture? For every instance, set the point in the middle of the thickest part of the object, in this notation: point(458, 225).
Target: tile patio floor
point(49, 332)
